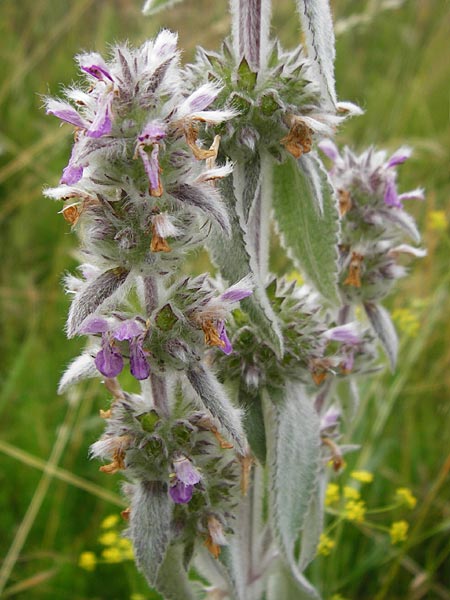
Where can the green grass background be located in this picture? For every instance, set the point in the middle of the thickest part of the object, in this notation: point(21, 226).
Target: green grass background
point(395, 64)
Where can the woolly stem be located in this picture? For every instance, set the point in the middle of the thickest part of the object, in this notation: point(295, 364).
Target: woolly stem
point(157, 383)
point(343, 317)
point(251, 19)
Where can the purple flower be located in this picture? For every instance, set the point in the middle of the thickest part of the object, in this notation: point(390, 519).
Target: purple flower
point(391, 197)
point(330, 419)
point(139, 367)
point(181, 493)
point(109, 361)
point(152, 169)
point(236, 294)
point(65, 112)
point(329, 149)
point(227, 348)
point(349, 361)
point(399, 157)
point(185, 471)
point(127, 330)
point(186, 477)
point(346, 334)
point(73, 172)
point(130, 330)
point(93, 64)
point(94, 325)
point(102, 124)
point(153, 132)
point(240, 290)
point(198, 100)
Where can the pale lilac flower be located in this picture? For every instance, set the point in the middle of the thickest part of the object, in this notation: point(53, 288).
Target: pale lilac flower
point(186, 477)
point(237, 293)
point(181, 493)
point(152, 133)
point(346, 334)
point(65, 112)
point(185, 471)
point(227, 348)
point(93, 64)
point(399, 157)
point(102, 124)
point(130, 330)
point(109, 359)
point(330, 419)
point(127, 330)
point(329, 148)
point(73, 172)
point(139, 367)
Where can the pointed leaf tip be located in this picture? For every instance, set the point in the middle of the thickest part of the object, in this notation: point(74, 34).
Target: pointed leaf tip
point(309, 235)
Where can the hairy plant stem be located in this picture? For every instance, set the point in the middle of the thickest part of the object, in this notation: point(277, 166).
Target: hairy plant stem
point(250, 35)
point(158, 385)
point(343, 317)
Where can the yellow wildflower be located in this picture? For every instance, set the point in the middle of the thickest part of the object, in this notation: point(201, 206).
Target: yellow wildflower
point(398, 531)
point(351, 493)
point(295, 276)
point(437, 220)
point(337, 597)
point(326, 544)
point(112, 555)
point(137, 597)
point(406, 496)
point(126, 548)
point(331, 494)
point(362, 476)
point(407, 321)
point(87, 561)
point(109, 522)
point(355, 510)
point(109, 538)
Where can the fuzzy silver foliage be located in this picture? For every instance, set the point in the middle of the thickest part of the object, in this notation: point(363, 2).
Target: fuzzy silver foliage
point(226, 446)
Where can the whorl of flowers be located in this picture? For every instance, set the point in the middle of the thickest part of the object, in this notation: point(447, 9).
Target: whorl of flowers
point(184, 455)
point(137, 180)
point(315, 347)
point(241, 371)
point(373, 219)
point(279, 108)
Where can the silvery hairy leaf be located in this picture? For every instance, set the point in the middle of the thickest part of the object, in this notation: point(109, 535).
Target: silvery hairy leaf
point(253, 205)
point(293, 459)
point(205, 198)
point(253, 422)
point(216, 401)
point(385, 330)
point(81, 368)
point(282, 585)
point(313, 526)
point(310, 236)
point(215, 571)
point(234, 260)
point(150, 520)
point(246, 552)
point(317, 25)
point(173, 581)
point(151, 7)
point(93, 295)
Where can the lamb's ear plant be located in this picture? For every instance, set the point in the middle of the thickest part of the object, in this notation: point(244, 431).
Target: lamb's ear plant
point(227, 446)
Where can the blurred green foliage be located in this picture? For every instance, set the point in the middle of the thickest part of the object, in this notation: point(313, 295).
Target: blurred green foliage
point(393, 61)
